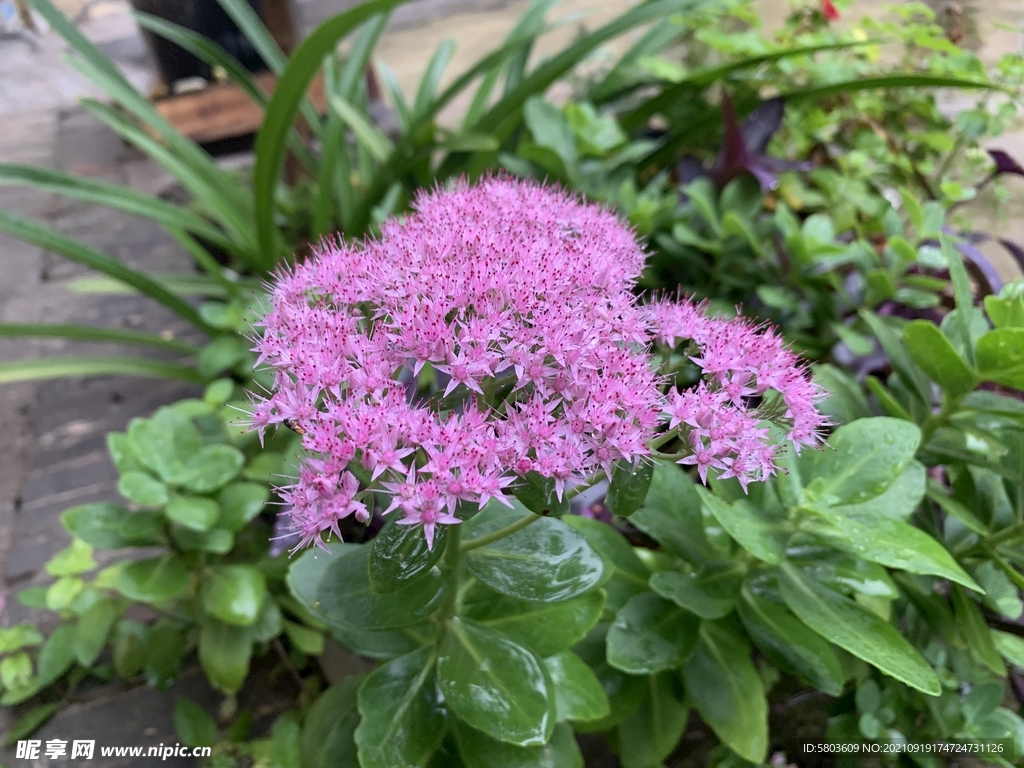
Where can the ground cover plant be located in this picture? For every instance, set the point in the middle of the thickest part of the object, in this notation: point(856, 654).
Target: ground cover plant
point(441, 411)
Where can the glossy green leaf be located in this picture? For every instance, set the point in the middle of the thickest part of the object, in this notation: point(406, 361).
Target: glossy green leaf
point(710, 592)
point(578, 693)
point(546, 561)
point(210, 469)
point(56, 656)
point(402, 723)
point(216, 540)
point(758, 531)
point(142, 489)
point(724, 686)
point(867, 456)
point(1010, 647)
point(98, 524)
point(73, 560)
point(1001, 357)
point(537, 494)
point(164, 649)
point(193, 724)
point(194, 512)
point(935, 355)
point(855, 629)
point(624, 573)
point(629, 486)
point(545, 628)
point(671, 514)
point(974, 629)
point(224, 653)
point(650, 634)
point(496, 685)
point(304, 639)
point(129, 648)
point(344, 595)
point(399, 553)
point(155, 580)
point(478, 750)
point(233, 593)
point(327, 733)
point(788, 642)
point(898, 501)
point(93, 629)
point(163, 444)
point(652, 732)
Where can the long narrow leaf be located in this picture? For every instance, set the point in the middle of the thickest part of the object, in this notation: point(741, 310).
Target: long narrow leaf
point(369, 135)
point(87, 333)
point(69, 367)
point(432, 75)
point(45, 237)
point(183, 285)
point(650, 43)
point(204, 260)
point(531, 22)
point(291, 88)
point(359, 56)
point(394, 90)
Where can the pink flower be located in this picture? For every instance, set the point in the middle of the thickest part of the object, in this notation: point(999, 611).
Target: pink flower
point(830, 11)
point(505, 287)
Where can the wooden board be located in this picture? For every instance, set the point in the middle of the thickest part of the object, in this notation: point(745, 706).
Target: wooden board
point(223, 110)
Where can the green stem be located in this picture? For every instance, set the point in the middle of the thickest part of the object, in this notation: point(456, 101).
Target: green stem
point(936, 420)
point(490, 538)
point(994, 540)
point(453, 563)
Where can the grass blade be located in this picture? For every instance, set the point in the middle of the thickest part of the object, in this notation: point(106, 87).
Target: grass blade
point(432, 76)
point(181, 284)
point(87, 333)
point(394, 90)
point(45, 237)
point(359, 57)
point(370, 136)
point(67, 367)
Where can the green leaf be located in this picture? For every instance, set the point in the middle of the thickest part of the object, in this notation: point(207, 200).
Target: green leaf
point(327, 733)
point(550, 129)
point(710, 593)
point(898, 501)
point(1001, 357)
point(1010, 647)
point(933, 353)
point(17, 637)
point(867, 456)
point(142, 489)
point(650, 634)
point(578, 692)
point(892, 344)
point(629, 486)
point(63, 592)
point(1001, 595)
point(762, 534)
point(93, 629)
point(56, 656)
point(478, 750)
point(724, 685)
point(399, 553)
point(545, 628)
point(88, 333)
point(537, 494)
point(789, 643)
point(155, 580)
point(129, 648)
point(974, 629)
point(210, 469)
point(16, 672)
point(194, 512)
point(1005, 311)
point(344, 595)
point(233, 593)
point(652, 732)
point(624, 571)
point(224, 653)
point(624, 691)
point(402, 724)
point(239, 503)
point(671, 514)
point(192, 724)
point(165, 646)
point(76, 367)
point(30, 722)
point(963, 295)
point(855, 629)
point(306, 640)
point(73, 560)
point(546, 561)
point(496, 685)
point(285, 742)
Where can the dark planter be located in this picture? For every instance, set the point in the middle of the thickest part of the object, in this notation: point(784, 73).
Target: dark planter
point(208, 19)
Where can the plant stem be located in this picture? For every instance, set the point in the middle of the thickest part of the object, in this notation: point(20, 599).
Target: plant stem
point(453, 563)
point(490, 538)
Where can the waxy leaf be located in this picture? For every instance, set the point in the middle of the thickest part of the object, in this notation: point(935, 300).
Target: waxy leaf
point(624, 573)
point(537, 494)
point(545, 628)
point(104, 526)
point(327, 732)
point(143, 489)
point(934, 354)
point(761, 534)
point(868, 456)
point(239, 503)
point(650, 734)
point(224, 653)
point(344, 595)
point(496, 685)
point(974, 629)
point(212, 467)
point(710, 593)
point(671, 514)
point(1001, 357)
point(629, 485)
point(624, 691)
point(233, 593)
point(790, 643)
point(194, 512)
point(155, 579)
point(546, 561)
point(402, 724)
point(650, 634)
point(898, 501)
point(578, 692)
point(93, 629)
point(855, 629)
point(399, 554)
point(726, 689)
point(478, 750)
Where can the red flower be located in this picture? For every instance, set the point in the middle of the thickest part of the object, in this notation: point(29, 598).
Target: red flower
point(829, 9)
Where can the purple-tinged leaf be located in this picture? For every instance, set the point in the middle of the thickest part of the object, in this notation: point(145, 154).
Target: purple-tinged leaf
point(762, 124)
point(1004, 163)
point(1015, 250)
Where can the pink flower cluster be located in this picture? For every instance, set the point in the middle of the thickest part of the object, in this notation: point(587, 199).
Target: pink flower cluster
point(521, 297)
